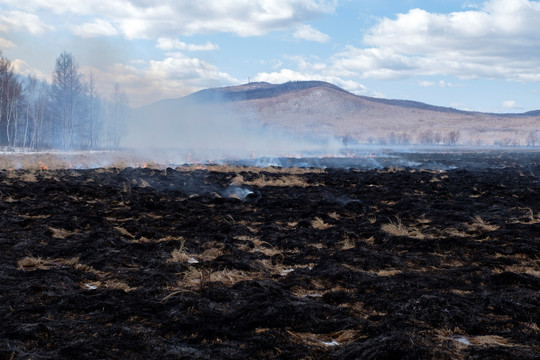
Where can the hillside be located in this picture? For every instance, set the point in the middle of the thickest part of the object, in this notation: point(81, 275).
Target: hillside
point(316, 107)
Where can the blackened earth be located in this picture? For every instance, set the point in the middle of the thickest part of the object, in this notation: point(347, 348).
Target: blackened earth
point(248, 263)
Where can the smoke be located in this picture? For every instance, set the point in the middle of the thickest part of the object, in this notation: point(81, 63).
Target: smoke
point(184, 131)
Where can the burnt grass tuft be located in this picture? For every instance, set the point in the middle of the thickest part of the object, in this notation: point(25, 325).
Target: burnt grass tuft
point(337, 264)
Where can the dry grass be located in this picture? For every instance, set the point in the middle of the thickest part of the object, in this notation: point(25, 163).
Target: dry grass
point(479, 224)
point(60, 233)
point(460, 292)
point(258, 246)
point(26, 177)
point(489, 340)
point(197, 279)
point(387, 272)
point(338, 338)
point(396, 228)
point(113, 284)
point(334, 215)
point(370, 240)
point(531, 217)
point(118, 285)
point(230, 277)
point(124, 232)
point(263, 180)
point(251, 169)
point(454, 232)
point(276, 267)
point(65, 160)
point(319, 224)
point(211, 254)
point(461, 339)
point(27, 216)
point(532, 269)
point(180, 255)
point(348, 242)
point(172, 238)
point(31, 263)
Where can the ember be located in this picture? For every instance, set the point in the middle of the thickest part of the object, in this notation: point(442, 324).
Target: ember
point(249, 263)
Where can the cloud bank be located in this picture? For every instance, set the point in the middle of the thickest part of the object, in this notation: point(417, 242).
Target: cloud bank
point(498, 40)
point(149, 19)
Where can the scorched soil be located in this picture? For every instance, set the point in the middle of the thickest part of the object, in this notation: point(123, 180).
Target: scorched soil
point(246, 263)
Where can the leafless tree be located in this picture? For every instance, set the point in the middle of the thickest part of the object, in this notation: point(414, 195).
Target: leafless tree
point(116, 121)
point(437, 138)
point(34, 108)
point(532, 138)
point(93, 112)
point(67, 91)
point(452, 138)
point(426, 137)
point(10, 95)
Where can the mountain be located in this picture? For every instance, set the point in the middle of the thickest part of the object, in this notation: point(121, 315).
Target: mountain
point(317, 107)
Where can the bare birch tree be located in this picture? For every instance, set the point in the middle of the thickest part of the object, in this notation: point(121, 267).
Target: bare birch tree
point(67, 90)
point(10, 95)
point(116, 122)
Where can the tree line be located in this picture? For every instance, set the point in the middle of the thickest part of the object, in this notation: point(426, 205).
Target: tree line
point(66, 114)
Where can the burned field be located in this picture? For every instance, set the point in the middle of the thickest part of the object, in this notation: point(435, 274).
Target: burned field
point(246, 263)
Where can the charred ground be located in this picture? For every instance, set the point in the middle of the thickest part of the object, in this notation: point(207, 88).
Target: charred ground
point(273, 263)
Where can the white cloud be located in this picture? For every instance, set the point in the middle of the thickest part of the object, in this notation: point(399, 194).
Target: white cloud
point(147, 81)
point(440, 83)
point(510, 104)
point(98, 27)
point(285, 75)
point(6, 44)
point(307, 32)
point(168, 18)
point(501, 39)
point(22, 21)
point(23, 68)
point(173, 44)
point(425, 83)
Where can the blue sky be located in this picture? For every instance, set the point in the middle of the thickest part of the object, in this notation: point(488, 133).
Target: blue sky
point(474, 55)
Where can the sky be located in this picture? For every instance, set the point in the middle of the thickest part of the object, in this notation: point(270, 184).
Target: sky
point(470, 55)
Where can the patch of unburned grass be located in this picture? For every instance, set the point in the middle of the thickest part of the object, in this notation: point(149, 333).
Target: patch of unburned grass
point(327, 340)
point(262, 181)
point(319, 224)
point(334, 215)
point(124, 232)
point(60, 233)
point(453, 232)
point(387, 272)
point(179, 255)
point(230, 277)
point(479, 224)
point(251, 169)
point(32, 263)
point(348, 242)
point(113, 284)
point(397, 228)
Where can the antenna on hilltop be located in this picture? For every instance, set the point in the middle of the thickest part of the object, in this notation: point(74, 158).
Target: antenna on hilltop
point(249, 80)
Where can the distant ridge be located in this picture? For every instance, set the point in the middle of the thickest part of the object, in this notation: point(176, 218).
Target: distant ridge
point(262, 90)
point(256, 90)
point(318, 107)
